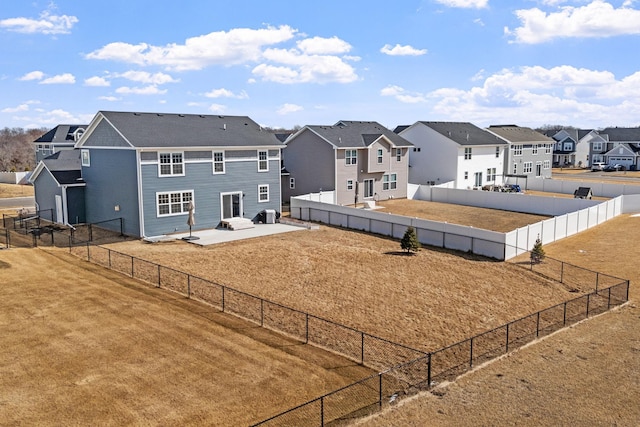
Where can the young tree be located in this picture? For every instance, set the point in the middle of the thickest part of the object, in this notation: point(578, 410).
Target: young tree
point(410, 241)
point(537, 253)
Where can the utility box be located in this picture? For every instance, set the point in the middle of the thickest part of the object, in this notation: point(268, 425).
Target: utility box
point(270, 216)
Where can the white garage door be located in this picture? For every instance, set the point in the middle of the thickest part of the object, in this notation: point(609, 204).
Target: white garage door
point(625, 161)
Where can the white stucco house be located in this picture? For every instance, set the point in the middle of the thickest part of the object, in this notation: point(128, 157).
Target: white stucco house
point(454, 152)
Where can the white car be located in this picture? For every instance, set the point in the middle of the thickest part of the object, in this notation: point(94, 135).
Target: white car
point(598, 167)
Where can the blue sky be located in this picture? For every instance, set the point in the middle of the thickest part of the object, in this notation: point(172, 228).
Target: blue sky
point(287, 63)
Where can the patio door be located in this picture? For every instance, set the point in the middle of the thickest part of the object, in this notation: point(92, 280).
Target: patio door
point(538, 169)
point(478, 179)
point(231, 205)
point(368, 188)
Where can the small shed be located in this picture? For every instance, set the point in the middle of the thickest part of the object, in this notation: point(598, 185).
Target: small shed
point(583, 193)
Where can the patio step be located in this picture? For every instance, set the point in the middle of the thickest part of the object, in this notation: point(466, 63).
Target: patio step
point(237, 223)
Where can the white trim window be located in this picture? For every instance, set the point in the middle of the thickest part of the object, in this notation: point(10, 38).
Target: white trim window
point(86, 157)
point(491, 174)
point(379, 156)
point(398, 154)
point(597, 146)
point(467, 153)
point(534, 149)
point(466, 174)
point(517, 149)
point(263, 161)
point(497, 152)
point(218, 162)
point(350, 157)
point(568, 146)
point(389, 181)
point(349, 184)
point(292, 183)
point(170, 164)
point(515, 168)
point(546, 164)
point(547, 148)
point(173, 202)
point(527, 167)
point(263, 193)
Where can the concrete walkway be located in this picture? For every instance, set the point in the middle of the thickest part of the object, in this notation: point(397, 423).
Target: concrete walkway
point(213, 236)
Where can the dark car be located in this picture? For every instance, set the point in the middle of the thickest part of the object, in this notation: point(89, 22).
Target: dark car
point(614, 168)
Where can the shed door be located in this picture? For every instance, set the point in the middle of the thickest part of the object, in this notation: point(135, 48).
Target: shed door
point(59, 212)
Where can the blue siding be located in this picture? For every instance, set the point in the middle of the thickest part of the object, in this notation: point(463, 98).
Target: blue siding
point(241, 176)
point(104, 135)
point(112, 181)
point(46, 188)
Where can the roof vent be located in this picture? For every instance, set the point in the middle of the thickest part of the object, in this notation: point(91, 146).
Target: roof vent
point(224, 126)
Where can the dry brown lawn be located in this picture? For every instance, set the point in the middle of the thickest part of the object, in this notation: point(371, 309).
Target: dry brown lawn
point(14, 190)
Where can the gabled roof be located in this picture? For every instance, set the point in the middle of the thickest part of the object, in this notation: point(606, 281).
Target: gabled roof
point(626, 148)
point(622, 134)
point(353, 134)
point(61, 134)
point(518, 134)
point(160, 130)
point(464, 133)
point(400, 128)
point(64, 166)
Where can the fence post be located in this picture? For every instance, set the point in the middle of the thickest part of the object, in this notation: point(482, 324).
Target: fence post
point(90, 233)
point(121, 227)
point(109, 255)
point(627, 291)
point(597, 280)
point(88, 253)
point(131, 266)
point(429, 371)
point(507, 344)
point(222, 299)
point(261, 312)
point(561, 272)
point(322, 411)
point(380, 390)
point(189, 286)
point(471, 353)
point(564, 315)
point(158, 275)
point(588, 299)
point(362, 348)
point(538, 325)
point(306, 329)
point(609, 300)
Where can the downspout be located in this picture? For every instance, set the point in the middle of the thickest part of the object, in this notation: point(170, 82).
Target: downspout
point(140, 198)
point(65, 214)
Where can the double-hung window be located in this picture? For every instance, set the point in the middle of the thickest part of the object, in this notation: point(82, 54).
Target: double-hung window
point(527, 167)
point(379, 156)
point(350, 157)
point(517, 149)
point(85, 157)
point(534, 149)
point(467, 153)
point(263, 193)
point(292, 183)
point(597, 146)
point(389, 182)
point(491, 174)
point(349, 184)
point(173, 203)
point(398, 154)
point(546, 164)
point(547, 148)
point(218, 162)
point(171, 164)
point(263, 162)
point(497, 152)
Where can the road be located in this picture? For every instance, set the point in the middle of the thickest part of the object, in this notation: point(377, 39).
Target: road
point(17, 202)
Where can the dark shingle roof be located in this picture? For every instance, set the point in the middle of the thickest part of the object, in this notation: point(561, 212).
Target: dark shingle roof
point(189, 130)
point(60, 133)
point(622, 134)
point(464, 133)
point(353, 134)
point(400, 128)
point(513, 133)
point(65, 166)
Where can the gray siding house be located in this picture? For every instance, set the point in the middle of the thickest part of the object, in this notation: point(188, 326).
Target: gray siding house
point(358, 161)
point(146, 167)
point(622, 147)
point(530, 153)
point(62, 137)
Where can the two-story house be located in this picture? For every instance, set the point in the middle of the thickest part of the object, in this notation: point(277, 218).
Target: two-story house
point(146, 167)
point(622, 147)
point(61, 137)
point(570, 149)
point(357, 161)
point(457, 152)
point(530, 153)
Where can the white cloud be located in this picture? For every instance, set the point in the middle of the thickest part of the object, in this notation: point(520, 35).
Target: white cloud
point(597, 19)
point(33, 75)
point(64, 79)
point(296, 67)
point(323, 46)
point(398, 50)
point(217, 108)
point(51, 118)
point(466, 4)
point(225, 93)
point(237, 46)
point(147, 90)
point(538, 95)
point(109, 98)
point(96, 81)
point(46, 24)
point(19, 108)
point(147, 78)
point(289, 108)
point(402, 95)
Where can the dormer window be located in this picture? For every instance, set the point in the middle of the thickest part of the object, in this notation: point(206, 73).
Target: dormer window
point(78, 134)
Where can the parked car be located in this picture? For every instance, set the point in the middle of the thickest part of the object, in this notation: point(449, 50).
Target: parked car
point(614, 168)
point(598, 167)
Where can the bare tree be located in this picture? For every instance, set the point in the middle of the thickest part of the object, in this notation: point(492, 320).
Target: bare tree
point(16, 148)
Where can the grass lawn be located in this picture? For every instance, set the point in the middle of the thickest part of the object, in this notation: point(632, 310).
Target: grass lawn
point(15, 190)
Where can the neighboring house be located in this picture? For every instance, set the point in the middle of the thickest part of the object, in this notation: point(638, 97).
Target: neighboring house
point(358, 161)
point(570, 149)
point(461, 152)
point(59, 188)
point(145, 168)
point(597, 146)
point(530, 152)
point(622, 148)
point(61, 137)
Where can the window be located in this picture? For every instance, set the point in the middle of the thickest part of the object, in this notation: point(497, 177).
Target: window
point(597, 146)
point(350, 157)
point(515, 168)
point(263, 163)
point(466, 175)
point(416, 149)
point(467, 153)
point(547, 164)
point(218, 162)
point(86, 158)
point(349, 184)
point(379, 155)
point(398, 154)
point(534, 149)
point(263, 193)
point(497, 152)
point(389, 182)
point(491, 174)
point(173, 203)
point(517, 150)
point(171, 164)
point(292, 183)
point(527, 167)
point(568, 146)
point(547, 148)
